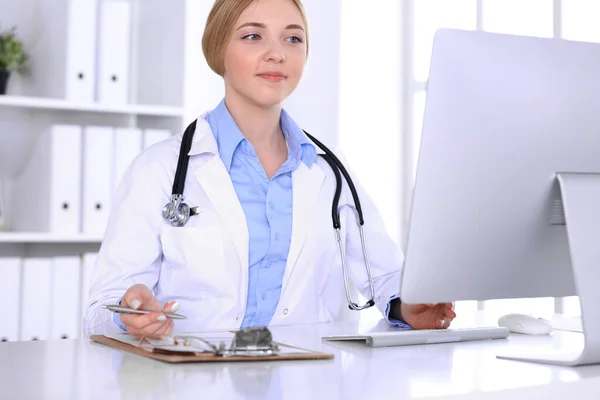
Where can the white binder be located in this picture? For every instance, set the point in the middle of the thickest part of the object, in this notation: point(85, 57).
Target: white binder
point(36, 298)
point(127, 146)
point(65, 302)
point(97, 178)
point(10, 297)
point(114, 44)
point(63, 50)
point(152, 136)
point(87, 270)
point(46, 196)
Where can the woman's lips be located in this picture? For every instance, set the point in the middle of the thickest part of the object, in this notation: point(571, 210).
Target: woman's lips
point(272, 77)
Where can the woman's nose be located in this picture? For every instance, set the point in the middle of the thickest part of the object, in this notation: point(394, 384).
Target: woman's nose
point(275, 54)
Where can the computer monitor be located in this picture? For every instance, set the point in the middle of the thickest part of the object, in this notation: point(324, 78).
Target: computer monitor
point(505, 117)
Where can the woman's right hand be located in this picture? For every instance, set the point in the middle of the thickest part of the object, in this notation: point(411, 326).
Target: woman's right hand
point(154, 325)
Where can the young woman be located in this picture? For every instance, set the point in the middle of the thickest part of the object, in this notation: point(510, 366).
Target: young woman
point(261, 249)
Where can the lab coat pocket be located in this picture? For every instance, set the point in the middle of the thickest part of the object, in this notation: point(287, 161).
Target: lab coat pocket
point(196, 252)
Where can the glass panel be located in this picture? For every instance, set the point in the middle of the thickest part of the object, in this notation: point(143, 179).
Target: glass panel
point(580, 20)
point(431, 15)
point(369, 124)
point(529, 18)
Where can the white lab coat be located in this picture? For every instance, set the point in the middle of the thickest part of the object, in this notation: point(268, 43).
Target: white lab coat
point(204, 265)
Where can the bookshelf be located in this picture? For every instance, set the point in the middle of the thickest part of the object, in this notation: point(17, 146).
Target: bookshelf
point(41, 238)
point(161, 60)
point(40, 103)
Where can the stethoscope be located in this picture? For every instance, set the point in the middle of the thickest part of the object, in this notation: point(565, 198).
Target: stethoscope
point(178, 213)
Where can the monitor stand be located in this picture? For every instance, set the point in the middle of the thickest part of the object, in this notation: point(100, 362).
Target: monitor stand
point(581, 201)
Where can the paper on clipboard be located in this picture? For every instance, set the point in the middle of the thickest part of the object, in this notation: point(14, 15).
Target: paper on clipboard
point(193, 343)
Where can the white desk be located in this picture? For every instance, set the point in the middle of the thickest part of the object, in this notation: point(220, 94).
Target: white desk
point(78, 369)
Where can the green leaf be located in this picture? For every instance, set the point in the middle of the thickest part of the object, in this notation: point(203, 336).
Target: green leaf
point(12, 54)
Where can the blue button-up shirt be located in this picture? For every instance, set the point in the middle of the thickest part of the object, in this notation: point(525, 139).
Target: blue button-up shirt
point(267, 204)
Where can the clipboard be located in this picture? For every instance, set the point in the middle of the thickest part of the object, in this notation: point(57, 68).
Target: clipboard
point(211, 353)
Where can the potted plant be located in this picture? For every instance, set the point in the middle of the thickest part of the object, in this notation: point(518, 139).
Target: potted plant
point(12, 57)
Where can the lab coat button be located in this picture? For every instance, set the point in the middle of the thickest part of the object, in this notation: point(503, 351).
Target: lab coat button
point(285, 311)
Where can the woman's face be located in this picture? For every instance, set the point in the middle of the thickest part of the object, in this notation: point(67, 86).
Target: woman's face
point(266, 55)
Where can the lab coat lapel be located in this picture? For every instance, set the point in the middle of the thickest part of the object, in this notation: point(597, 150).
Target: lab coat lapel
point(306, 186)
point(216, 184)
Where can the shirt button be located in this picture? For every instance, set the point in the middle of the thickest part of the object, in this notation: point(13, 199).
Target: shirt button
point(268, 265)
point(271, 204)
point(277, 236)
point(263, 296)
point(285, 311)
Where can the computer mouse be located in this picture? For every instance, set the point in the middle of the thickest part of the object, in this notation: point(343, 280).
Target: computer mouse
point(525, 324)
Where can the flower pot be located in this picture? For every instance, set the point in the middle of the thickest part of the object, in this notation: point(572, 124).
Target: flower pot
point(3, 80)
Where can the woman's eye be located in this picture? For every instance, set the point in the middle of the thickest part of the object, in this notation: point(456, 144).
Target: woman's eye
point(252, 36)
point(295, 39)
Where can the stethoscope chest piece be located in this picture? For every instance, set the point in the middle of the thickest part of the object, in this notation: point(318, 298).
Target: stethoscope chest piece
point(176, 211)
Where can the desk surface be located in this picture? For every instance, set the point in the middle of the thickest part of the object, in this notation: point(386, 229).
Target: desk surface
point(78, 369)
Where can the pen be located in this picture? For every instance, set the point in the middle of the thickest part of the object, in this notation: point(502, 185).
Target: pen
point(127, 310)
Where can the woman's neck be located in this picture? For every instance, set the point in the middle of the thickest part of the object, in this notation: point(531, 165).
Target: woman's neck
point(260, 125)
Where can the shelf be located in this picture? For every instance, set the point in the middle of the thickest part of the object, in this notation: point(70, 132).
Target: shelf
point(40, 237)
point(64, 105)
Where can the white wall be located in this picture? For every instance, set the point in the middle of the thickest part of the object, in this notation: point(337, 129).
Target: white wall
point(371, 103)
point(315, 104)
point(203, 88)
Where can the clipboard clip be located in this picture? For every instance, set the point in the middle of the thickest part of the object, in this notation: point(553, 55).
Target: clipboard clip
point(248, 342)
point(251, 342)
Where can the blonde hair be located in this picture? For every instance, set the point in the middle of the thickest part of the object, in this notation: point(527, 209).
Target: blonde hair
point(219, 28)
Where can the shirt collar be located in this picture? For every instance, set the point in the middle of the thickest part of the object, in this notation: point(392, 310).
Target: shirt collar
point(228, 136)
point(226, 132)
point(299, 146)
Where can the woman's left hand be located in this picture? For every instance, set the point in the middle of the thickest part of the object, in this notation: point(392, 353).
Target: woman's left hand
point(428, 316)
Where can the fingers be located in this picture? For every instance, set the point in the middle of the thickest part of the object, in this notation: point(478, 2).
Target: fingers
point(449, 309)
point(444, 323)
point(156, 330)
point(137, 321)
point(137, 297)
point(140, 297)
point(165, 330)
point(153, 325)
point(447, 316)
point(171, 306)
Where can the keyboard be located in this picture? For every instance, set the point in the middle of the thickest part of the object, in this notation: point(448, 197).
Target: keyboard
point(410, 337)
